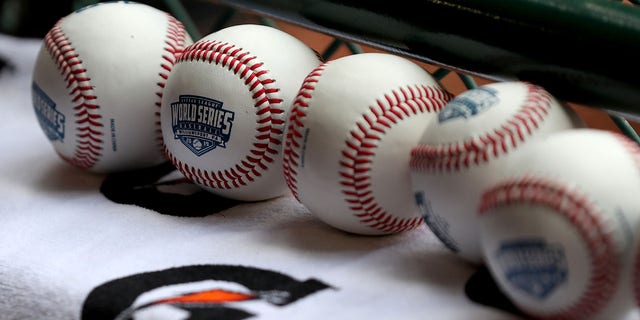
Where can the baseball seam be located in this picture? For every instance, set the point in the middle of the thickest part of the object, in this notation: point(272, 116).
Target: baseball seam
point(293, 137)
point(581, 213)
point(88, 141)
point(270, 115)
point(175, 40)
point(480, 149)
point(360, 147)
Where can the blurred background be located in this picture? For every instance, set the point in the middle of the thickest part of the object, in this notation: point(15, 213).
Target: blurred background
point(33, 18)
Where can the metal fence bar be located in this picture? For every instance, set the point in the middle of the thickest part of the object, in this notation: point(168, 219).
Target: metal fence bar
point(625, 127)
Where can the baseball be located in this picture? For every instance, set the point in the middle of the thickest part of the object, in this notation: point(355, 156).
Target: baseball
point(98, 82)
point(348, 139)
point(468, 145)
point(557, 230)
point(224, 109)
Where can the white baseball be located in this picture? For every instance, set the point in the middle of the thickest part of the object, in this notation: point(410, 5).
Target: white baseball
point(225, 105)
point(349, 136)
point(557, 231)
point(98, 82)
point(468, 146)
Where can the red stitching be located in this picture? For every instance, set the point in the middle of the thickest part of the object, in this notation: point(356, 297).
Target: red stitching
point(291, 157)
point(360, 148)
point(267, 109)
point(88, 138)
point(475, 150)
point(175, 41)
point(585, 216)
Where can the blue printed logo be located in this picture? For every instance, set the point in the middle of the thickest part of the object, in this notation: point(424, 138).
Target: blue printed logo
point(533, 266)
point(51, 120)
point(436, 223)
point(469, 104)
point(200, 123)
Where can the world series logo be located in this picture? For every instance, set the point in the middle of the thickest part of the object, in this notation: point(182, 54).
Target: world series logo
point(469, 104)
point(533, 266)
point(51, 120)
point(200, 123)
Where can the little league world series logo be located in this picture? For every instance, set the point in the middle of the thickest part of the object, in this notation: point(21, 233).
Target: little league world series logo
point(469, 104)
point(533, 266)
point(51, 120)
point(200, 123)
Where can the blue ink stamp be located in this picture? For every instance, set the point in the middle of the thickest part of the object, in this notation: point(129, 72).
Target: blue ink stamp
point(436, 223)
point(469, 104)
point(200, 123)
point(533, 266)
point(51, 120)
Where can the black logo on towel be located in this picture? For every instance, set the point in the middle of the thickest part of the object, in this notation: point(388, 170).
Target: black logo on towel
point(226, 292)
